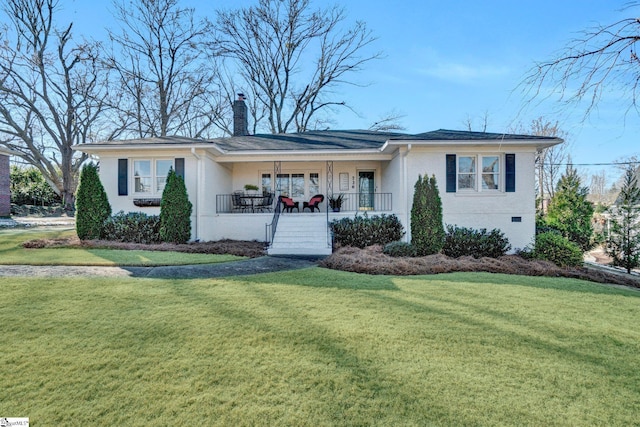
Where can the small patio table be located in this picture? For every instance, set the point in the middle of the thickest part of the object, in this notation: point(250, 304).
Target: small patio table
point(251, 198)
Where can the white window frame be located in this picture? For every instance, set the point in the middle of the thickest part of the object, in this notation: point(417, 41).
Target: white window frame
point(155, 189)
point(308, 189)
point(478, 173)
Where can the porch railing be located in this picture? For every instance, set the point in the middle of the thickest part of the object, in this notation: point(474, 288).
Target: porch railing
point(232, 203)
point(376, 202)
point(352, 202)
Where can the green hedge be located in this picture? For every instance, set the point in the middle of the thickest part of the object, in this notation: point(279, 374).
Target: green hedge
point(557, 249)
point(400, 249)
point(462, 241)
point(133, 227)
point(363, 231)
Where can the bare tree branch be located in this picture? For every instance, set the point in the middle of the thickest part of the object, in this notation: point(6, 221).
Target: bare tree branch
point(602, 61)
point(275, 43)
point(549, 161)
point(51, 93)
point(166, 83)
point(388, 122)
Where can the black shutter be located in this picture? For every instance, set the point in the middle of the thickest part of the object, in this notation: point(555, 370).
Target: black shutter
point(451, 173)
point(123, 171)
point(179, 163)
point(510, 173)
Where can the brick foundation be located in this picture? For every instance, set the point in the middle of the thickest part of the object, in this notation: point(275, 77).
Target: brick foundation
point(5, 186)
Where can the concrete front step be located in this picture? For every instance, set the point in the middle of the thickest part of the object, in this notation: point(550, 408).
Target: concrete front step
point(300, 235)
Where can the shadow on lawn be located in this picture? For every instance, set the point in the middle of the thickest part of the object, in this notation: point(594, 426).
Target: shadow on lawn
point(324, 278)
point(541, 282)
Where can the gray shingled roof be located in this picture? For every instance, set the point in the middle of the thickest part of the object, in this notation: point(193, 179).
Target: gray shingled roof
point(313, 140)
point(461, 135)
point(318, 140)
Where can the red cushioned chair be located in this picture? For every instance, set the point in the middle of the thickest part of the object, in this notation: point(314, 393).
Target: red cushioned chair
point(313, 203)
point(289, 205)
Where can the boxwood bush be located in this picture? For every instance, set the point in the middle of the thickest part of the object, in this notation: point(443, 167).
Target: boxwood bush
point(400, 249)
point(363, 231)
point(557, 249)
point(462, 241)
point(133, 227)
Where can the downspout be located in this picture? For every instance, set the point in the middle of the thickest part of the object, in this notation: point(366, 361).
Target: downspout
point(198, 186)
point(405, 178)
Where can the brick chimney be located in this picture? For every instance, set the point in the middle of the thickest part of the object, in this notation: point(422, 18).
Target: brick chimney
point(240, 120)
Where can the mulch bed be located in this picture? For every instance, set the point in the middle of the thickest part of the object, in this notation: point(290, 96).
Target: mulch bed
point(232, 247)
point(372, 260)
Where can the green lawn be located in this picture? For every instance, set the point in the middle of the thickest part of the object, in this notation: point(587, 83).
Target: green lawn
point(12, 252)
point(318, 348)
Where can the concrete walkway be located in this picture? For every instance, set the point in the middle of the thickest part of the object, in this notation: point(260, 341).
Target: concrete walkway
point(264, 264)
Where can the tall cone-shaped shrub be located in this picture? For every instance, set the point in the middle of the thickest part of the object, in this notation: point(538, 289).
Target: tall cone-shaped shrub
point(175, 211)
point(92, 204)
point(427, 229)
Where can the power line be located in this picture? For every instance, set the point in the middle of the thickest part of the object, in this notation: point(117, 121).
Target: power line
point(592, 164)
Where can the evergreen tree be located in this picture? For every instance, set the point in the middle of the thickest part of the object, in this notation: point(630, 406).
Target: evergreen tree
point(623, 244)
point(175, 211)
point(570, 212)
point(92, 204)
point(427, 229)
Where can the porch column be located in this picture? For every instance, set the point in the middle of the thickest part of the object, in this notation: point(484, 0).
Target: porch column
point(329, 178)
point(277, 170)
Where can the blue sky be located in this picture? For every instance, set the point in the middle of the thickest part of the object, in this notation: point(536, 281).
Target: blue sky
point(447, 62)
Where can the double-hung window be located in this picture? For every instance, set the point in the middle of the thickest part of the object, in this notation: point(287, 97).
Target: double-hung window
point(150, 176)
point(466, 173)
point(480, 173)
point(474, 179)
point(490, 177)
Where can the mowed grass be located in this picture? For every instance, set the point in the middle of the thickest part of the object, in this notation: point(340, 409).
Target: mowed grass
point(316, 347)
point(12, 252)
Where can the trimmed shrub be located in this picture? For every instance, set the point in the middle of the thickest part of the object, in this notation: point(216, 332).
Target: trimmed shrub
point(175, 211)
point(462, 241)
point(363, 231)
point(399, 249)
point(133, 227)
point(427, 230)
point(92, 204)
point(557, 249)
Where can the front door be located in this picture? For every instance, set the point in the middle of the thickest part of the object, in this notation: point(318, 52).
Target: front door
point(366, 190)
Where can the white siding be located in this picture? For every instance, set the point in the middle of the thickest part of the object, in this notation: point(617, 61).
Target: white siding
point(486, 209)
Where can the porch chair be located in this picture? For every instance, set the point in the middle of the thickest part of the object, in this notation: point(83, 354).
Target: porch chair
point(288, 204)
point(313, 203)
point(238, 202)
point(266, 203)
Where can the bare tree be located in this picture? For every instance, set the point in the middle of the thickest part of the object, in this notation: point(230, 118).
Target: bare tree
point(388, 122)
point(51, 92)
point(550, 162)
point(598, 187)
point(469, 123)
point(167, 83)
point(272, 44)
point(604, 59)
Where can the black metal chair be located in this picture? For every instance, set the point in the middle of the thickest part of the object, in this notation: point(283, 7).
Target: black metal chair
point(266, 203)
point(237, 201)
